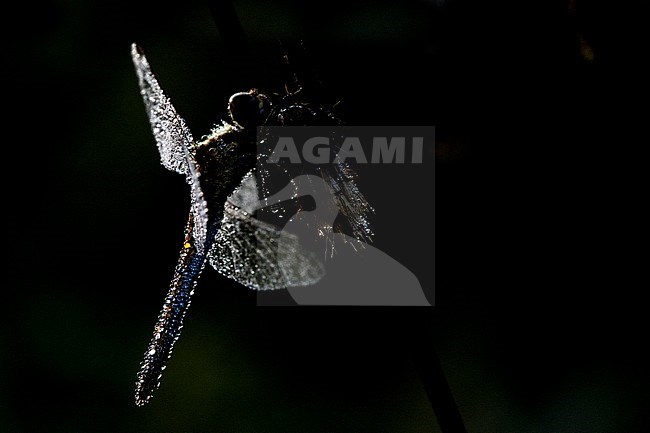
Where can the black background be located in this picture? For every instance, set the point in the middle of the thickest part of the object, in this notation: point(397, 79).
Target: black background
point(536, 323)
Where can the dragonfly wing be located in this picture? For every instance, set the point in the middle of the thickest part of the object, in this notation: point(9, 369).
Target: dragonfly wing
point(174, 141)
point(172, 136)
point(256, 254)
point(340, 178)
point(246, 196)
point(199, 207)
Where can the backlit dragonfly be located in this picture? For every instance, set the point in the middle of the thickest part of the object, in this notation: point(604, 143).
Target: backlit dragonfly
point(226, 190)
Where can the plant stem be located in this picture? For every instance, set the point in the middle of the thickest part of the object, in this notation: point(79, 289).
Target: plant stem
point(227, 21)
point(435, 384)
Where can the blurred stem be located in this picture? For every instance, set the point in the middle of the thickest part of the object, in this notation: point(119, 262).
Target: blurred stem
point(230, 28)
point(433, 379)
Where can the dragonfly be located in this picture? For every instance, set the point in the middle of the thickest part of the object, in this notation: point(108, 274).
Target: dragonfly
point(227, 187)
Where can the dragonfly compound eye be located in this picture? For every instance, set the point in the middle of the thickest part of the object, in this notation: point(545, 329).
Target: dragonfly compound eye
point(248, 109)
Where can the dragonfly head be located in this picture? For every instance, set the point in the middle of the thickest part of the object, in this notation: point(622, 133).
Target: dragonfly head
point(249, 109)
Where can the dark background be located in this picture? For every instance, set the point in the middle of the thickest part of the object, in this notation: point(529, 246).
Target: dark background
point(536, 323)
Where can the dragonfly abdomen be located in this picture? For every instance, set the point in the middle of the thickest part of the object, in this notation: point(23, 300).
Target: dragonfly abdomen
point(170, 321)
